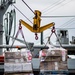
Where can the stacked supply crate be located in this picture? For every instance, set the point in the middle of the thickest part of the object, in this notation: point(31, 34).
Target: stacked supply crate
point(16, 62)
point(54, 59)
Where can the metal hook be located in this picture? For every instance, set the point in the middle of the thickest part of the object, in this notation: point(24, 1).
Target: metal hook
point(53, 29)
point(36, 37)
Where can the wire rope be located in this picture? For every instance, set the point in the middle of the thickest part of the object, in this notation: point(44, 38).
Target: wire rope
point(58, 6)
point(28, 6)
point(22, 14)
point(50, 6)
point(56, 3)
point(68, 22)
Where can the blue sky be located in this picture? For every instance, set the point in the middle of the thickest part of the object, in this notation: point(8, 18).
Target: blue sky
point(48, 8)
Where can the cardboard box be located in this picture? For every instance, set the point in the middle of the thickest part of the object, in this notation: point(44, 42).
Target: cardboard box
point(17, 67)
point(12, 55)
point(52, 58)
point(21, 60)
point(54, 53)
point(9, 55)
point(17, 60)
point(8, 67)
point(46, 66)
point(53, 66)
point(23, 53)
point(63, 65)
point(9, 60)
point(17, 55)
point(27, 67)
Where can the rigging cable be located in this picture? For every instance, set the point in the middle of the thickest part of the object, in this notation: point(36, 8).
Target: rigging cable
point(28, 6)
point(68, 22)
point(50, 6)
point(44, 8)
point(58, 6)
point(22, 14)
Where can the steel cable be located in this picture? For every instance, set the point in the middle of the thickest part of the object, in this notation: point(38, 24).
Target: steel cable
point(22, 14)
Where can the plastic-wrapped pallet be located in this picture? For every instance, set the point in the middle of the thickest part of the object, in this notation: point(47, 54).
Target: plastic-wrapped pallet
point(15, 57)
point(17, 62)
point(54, 59)
point(53, 66)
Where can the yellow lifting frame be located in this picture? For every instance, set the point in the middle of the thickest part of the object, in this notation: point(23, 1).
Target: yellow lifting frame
point(36, 23)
